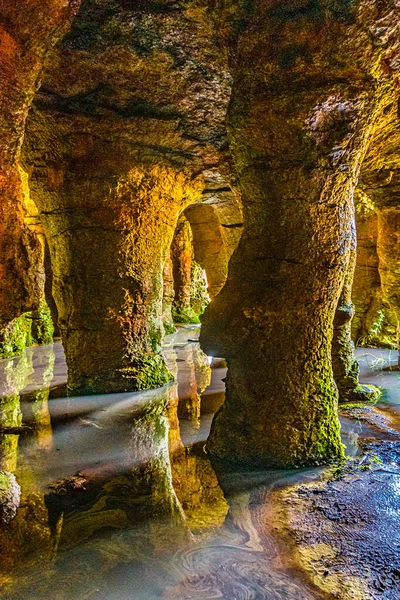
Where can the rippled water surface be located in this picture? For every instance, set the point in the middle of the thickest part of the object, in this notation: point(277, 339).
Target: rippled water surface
point(119, 499)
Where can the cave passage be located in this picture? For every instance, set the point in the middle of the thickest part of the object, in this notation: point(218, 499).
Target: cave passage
point(199, 297)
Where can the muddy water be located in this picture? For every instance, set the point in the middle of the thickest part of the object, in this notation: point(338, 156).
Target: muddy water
point(118, 497)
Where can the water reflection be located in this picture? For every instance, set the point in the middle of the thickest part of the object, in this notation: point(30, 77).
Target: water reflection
point(119, 499)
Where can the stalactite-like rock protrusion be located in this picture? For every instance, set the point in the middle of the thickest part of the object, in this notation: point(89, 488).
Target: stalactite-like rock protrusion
point(306, 94)
point(27, 31)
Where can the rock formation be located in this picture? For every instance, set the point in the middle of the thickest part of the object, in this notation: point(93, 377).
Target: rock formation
point(114, 158)
point(247, 121)
point(182, 259)
point(27, 33)
point(310, 81)
point(374, 324)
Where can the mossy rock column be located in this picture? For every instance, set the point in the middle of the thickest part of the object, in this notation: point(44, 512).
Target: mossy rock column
point(303, 106)
point(109, 233)
point(388, 247)
point(345, 367)
point(182, 255)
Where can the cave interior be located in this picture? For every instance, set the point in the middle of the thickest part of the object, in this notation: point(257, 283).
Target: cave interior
point(199, 299)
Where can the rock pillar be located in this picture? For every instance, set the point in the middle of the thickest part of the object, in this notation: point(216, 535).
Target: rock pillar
point(182, 256)
point(299, 125)
point(388, 248)
point(107, 255)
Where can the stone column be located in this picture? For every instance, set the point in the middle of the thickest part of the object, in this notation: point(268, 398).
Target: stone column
point(109, 228)
point(374, 324)
point(182, 255)
point(345, 367)
point(168, 295)
point(388, 248)
point(298, 138)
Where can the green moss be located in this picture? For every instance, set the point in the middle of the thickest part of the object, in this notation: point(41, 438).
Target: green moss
point(155, 336)
point(328, 444)
point(169, 328)
point(382, 332)
point(16, 336)
point(4, 481)
point(30, 328)
point(352, 405)
point(42, 324)
point(369, 393)
point(148, 371)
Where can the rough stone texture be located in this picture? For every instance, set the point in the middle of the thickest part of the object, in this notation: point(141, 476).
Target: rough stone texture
point(310, 81)
point(28, 29)
point(127, 127)
point(217, 224)
point(168, 295)
point(380, 182)
point(374, 324)
point(182, 256)
point(9, 497)
point(388, 247)
point(345, 367)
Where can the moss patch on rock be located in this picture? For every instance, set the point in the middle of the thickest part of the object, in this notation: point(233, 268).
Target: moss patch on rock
point(31, 328)
point(42, 324)
point(10, 493)
point(16, 336)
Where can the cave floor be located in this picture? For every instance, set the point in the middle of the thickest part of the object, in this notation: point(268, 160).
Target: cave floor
point(99, 517)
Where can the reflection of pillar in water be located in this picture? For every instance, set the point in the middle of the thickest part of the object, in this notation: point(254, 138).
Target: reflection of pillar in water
point(28, 533)
point(13, 376)
point(193, 477)
point(134, 493)
point(193, 378)
point(36, 402)
point(174, 433)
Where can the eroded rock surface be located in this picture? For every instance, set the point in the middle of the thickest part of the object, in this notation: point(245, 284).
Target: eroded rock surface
point(126, 129)
point(27, 33)
point(346, 535)
point(310, 81)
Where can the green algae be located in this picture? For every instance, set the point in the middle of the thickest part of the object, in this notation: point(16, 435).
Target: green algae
point(31, 328)
point(42, 324)
point(148, 372)
point(16, 336)
point(169, 328)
